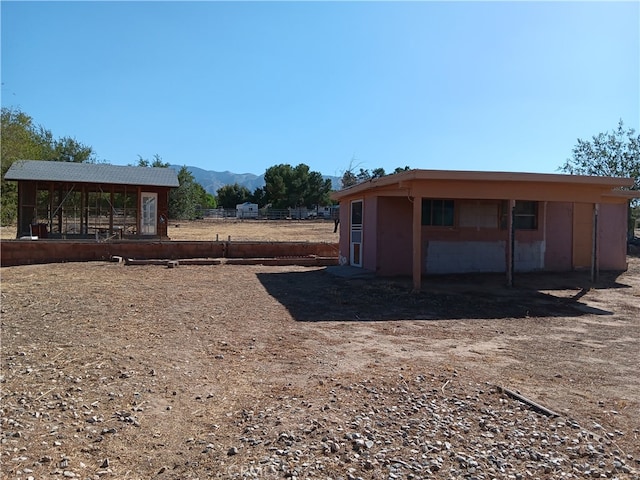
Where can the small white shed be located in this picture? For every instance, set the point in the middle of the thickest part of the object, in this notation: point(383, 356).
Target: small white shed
point(247, 210)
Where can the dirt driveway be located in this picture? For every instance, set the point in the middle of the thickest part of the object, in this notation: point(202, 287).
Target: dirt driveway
point(112, 371)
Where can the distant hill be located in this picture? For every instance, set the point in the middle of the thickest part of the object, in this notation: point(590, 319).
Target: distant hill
point(211, 181)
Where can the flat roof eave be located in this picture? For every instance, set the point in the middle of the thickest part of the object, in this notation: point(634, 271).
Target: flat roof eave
point(481, 176)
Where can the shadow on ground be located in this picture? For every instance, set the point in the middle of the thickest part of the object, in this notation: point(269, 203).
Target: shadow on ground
point(335, 294)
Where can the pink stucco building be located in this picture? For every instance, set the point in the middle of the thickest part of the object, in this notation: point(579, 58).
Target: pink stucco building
point(429, 221)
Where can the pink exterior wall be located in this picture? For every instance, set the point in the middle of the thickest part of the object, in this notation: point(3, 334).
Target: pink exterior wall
point(559, 236)
point(480, 248)
point(343, 243)
point(387, 239)
point(612, 236)
point(394, 236)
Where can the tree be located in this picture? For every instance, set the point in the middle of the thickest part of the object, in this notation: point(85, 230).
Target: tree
point(186, 201)
point(318, 190)
point(231, 195)
point(276, 179)
point(363, 175)
point(68, 149)
point(156, 162)
point(22, 139)
point(349, 178)
point(377, 173)
point(209, 201)
point(259, 197)
point(288, 186)
point(615, 154)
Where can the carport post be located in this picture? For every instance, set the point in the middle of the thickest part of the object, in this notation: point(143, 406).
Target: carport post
point(417, 244)
point(511, 241)
point(595, 260)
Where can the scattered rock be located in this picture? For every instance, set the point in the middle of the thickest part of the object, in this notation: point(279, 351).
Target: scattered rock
point(232, 451)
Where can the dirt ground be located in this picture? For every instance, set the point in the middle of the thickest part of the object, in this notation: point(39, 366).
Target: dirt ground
point(112, 371)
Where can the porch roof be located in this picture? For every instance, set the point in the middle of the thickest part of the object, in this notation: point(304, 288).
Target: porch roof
point(70, 172)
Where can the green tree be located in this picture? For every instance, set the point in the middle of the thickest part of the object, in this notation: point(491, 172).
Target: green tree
point(615, 154)
point(68, 149)
point(318, 190)
point(349, 178)
point(377, 173)
point(610, 154)
point(208, 200)
point(186, 200)
point(156, 162)
point(288, 186)
point(231, 195)
point(276, 179)
point(259, 197)
point(363, 175)
point(22, 139)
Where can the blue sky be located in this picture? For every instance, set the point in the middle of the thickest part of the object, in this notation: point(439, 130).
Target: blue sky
point(242, 86)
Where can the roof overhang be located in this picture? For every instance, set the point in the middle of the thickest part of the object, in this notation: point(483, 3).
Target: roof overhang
point(534, 186)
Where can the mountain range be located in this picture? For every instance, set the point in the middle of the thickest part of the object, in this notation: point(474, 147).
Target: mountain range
point(211, 181)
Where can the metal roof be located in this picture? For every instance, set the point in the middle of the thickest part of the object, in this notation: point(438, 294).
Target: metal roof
point(69, 172)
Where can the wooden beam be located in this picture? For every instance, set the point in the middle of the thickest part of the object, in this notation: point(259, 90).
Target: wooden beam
point(535, 406)
point(417, 244)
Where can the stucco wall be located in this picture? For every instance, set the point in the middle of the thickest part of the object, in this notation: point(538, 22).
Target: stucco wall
point(394, 254)
point(612, 235)
point(479, 244)
point(558, 256)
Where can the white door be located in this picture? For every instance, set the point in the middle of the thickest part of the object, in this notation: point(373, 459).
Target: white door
point(149, 209)
point(355, 248)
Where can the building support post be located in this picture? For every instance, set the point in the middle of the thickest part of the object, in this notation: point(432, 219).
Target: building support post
point(595, 258)
point(417, 244)
point(111, 200)
point(511, 241)
point(139, 211)
point(51, 206)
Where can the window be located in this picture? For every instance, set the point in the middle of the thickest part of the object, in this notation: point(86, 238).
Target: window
point(437, 213)
point(525, 215)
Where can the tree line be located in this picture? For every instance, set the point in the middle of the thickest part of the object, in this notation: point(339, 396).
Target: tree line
point(615, 153)
point(285, 186)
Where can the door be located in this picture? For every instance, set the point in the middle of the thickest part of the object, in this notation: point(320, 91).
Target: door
point(355, 248)
point(149, 209)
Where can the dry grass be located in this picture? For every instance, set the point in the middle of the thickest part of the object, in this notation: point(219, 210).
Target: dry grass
point(240, 230)
point(255, 230)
